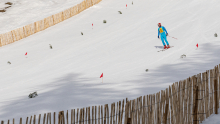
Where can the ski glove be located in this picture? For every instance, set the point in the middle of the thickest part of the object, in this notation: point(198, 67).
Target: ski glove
point(158, 36)
point(167, 34)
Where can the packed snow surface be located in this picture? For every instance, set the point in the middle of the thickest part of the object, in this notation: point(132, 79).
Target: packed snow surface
point(67, 76)
point(23, 12)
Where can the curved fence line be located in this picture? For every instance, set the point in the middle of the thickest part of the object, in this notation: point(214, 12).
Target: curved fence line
point(45, 23)
point(188, 101)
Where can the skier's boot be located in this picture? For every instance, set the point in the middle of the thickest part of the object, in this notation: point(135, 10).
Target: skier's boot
point(168, 46)
point(165, 47)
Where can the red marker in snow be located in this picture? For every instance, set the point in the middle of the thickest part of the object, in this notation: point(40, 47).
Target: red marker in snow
point(92, 24)
point(25, 53)
point(126, 5)
point(197, 45)
point(101, 77)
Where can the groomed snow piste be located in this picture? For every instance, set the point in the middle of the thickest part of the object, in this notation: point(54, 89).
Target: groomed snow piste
point(67, 76)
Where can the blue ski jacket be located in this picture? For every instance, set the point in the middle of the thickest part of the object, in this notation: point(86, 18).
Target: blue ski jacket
point(162, 30)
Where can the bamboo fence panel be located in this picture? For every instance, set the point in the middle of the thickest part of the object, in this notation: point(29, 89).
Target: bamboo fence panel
point(46, 23)
point(1, 40)
point(13, 36)
point(10, 40)
point(74, 10)
point(26, 30)
point(94, 2)
point(41, 25)
point(89, 3)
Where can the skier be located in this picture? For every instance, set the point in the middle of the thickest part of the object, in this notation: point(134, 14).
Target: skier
point(162, 35)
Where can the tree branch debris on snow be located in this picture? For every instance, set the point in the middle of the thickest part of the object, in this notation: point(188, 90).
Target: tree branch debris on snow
point(32, 95)
point(9, 3)
point(215, 35)
point(4, 10)
point(51, 46)
point(104, 21)
point(120, 12)
point(183, 56)
point(81, 33)
point(9, 62)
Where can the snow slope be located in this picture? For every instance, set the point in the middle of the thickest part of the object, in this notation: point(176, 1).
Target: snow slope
point(67, 76)
point(24, 12)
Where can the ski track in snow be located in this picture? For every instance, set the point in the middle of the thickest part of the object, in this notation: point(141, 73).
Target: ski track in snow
point(67, 76)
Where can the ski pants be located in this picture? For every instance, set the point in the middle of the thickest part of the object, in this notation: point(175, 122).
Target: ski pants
point(164, 37)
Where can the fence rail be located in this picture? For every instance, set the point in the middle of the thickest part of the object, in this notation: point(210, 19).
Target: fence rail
point(45, 23)
point(188, 101)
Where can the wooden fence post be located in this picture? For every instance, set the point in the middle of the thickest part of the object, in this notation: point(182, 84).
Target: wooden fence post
point(95, 114)
point(99, 115)
point(126, 119)
point(20, 120)
point(27, 120)
point(216, 96)
point(165, 114)
point(39, 118)
point(61, 118)
point(54, 118)
point(211, 87)
point(105, 114)
point(47, 118)
point(143, 110)
point(67, 122)
point(44, 118)
point(92, 114)
point(34, 119)
point(195, 110)
point(2, 122)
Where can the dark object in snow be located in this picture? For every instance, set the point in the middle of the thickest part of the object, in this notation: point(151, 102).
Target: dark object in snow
point(32, 95)
point(51, 46)
point(132, 2)
point(215, 35)
point(120, 12)
point(146, 70)
point(7, 7)
point(2, 10)
point(9, 3)
point(104, 21)
point(9, 62)
point(81, 33)
point(183, 56)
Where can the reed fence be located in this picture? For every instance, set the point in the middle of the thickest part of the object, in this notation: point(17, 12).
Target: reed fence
point(45, 23)
point(188, 101)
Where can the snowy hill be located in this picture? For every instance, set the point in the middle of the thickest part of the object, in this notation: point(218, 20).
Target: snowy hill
point(23, 12)
point(67, 76)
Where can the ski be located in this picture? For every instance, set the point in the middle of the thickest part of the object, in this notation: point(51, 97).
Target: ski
point(165, 49)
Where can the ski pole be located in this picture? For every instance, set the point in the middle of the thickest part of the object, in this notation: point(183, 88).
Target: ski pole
point(173, 37)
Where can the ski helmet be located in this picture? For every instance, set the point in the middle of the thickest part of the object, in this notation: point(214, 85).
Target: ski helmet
point(159, 24)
